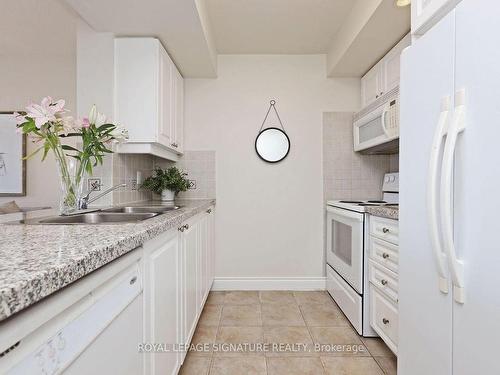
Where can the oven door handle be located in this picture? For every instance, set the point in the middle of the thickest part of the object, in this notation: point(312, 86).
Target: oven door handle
point(432, 195)
point(342, 214)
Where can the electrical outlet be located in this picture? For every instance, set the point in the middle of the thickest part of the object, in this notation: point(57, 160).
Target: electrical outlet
point(192, 184)
point(133, 184)
point(94, 184)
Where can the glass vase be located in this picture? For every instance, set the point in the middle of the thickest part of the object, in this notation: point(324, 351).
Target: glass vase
point(72, 176)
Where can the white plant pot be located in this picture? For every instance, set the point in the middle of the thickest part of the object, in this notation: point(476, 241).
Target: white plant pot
point(167, 195)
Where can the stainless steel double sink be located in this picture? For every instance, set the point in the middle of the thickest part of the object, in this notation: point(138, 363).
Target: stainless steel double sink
point(126, 214)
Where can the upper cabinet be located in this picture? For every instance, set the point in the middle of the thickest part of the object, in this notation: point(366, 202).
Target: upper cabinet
point(426, 13)
point(149, 98)
point(384, 76)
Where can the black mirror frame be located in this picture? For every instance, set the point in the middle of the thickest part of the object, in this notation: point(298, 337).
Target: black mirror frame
point(275, 161)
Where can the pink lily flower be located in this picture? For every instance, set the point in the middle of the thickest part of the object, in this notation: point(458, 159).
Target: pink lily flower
point(45, 112)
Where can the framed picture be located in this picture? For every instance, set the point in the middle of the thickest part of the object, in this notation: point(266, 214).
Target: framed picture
point(12, 152)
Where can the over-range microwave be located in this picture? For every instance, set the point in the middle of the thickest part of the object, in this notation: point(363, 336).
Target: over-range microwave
point(376, 129)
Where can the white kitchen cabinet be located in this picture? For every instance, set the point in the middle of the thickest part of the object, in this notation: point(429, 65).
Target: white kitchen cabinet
point(163, 301)
point(384, 76)
point(391, 65)
point(371, 85)
point(426, 13)
point(196, 239)
point(149, 98)
point(189, 248)
point(153, 295)
point(383, 275)
point(177, 125)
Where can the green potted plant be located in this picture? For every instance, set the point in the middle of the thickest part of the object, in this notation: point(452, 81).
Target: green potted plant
point(167, 182)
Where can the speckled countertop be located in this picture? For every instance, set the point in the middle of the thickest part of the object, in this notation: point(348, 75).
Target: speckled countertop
point(38, 260)
point(390, 212)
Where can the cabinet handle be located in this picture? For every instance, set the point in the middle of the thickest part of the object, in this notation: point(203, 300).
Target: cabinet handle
point(181, 229)
point(174, 145)
point(385, 321)
point(385, 230)
point(133, 280)
point(385, 255)
point(383, 282)
point(186, 226)
point(209, 211)
point(382, 93)
point(376, 96)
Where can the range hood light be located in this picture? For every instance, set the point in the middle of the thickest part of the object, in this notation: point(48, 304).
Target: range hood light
point(403, 3)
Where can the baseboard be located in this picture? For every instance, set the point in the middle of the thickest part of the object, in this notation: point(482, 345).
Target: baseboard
point(269, 283)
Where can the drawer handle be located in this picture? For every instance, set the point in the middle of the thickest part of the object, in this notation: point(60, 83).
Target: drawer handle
point(385, 230)
point(383, 282)
point(209, 211)
point(133, 280)
point(181, 229)
point(186, 226)
point(385, 255)
point(385, 321)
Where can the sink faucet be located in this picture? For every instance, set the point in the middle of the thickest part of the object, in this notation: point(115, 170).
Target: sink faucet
point(84, 201)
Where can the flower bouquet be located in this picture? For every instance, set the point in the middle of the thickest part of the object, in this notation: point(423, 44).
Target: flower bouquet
point(78, 144)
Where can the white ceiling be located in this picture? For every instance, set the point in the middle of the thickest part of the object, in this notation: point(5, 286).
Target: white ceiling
point(179, 24)
point(275, 26)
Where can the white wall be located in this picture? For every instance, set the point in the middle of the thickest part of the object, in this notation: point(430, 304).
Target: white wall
point(37, 58)
point(269, 217)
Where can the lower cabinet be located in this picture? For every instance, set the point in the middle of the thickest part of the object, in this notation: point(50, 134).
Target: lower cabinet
point(383, 269)
point(163, 299)
point(134, 316)
point(179, 273)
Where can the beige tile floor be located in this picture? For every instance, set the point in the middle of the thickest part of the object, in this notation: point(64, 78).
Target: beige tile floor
point(274, 319)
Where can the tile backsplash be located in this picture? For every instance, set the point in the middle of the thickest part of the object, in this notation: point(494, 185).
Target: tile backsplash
point(348, 174)
point(200, 167)
point(122, 168)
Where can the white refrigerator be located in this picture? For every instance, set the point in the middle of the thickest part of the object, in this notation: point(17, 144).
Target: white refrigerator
point(449, 291)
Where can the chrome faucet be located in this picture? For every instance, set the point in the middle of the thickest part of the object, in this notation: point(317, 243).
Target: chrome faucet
point(84, 201)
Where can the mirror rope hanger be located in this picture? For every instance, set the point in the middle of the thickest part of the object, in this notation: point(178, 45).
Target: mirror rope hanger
point(272, 144)
point(272, 105)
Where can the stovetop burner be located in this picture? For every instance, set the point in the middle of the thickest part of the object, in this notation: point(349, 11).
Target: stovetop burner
point(375, 201)
point(356, 202)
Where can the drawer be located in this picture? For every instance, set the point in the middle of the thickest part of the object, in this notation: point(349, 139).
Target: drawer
point(384, 253)
point(384, 318)
point(385, 229)
point(346, 297)
point(383, 279)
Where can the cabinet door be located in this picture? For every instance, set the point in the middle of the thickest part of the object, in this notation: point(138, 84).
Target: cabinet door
point(177, 126)
point(211, 246)
point(190, 252)
point(165, 99)
point(136, 78)
point(426, 13)
point(391, 65)
point(162, 288)
point(202, 259)
point(371, 85)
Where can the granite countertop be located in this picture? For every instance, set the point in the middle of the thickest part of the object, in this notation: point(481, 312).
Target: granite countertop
point(38, 260)
point(389, 212)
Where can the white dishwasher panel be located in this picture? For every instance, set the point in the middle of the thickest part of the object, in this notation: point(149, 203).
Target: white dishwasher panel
point(105, 334)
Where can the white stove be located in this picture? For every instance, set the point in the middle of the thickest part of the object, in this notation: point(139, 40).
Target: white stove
point(346, 258)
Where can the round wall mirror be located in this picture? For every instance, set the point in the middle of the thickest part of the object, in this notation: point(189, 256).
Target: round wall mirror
point(272, 145)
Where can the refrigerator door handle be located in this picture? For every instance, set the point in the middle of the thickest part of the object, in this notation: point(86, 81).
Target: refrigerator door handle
point(432, 199)
point(456, 266)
